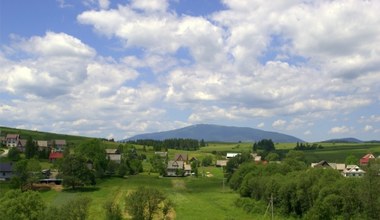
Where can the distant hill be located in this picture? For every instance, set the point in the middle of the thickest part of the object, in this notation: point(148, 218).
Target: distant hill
point(218, 133)
point(343, 140)
point(39, 135)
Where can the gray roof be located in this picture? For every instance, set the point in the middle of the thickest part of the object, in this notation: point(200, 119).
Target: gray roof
point(5, 167)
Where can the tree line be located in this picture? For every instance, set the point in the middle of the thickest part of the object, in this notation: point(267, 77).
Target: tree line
point(307, 193)
point(174, 143)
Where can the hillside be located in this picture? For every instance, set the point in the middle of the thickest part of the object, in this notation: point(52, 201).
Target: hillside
point(39, 135)
point(219, 133)
point(343, 140)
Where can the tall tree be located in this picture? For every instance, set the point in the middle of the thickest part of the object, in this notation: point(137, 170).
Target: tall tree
point(31, 148)
point(93, 150)
point(74, 171)
point(27, 172)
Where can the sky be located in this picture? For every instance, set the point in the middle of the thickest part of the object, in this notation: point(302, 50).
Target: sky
point(113, 69)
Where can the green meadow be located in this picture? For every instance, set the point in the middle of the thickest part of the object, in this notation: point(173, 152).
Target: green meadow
point(194, 198)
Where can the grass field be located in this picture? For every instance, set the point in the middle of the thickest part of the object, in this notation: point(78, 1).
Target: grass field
point(194, 198)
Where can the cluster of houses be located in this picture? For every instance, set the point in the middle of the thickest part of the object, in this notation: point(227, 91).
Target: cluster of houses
point(56, 147)
point(352, 170)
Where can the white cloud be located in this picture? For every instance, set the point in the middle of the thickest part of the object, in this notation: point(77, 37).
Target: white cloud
point(150, 5)
point(302, 61)
point(261, 125)
point(279, 124)
point(340, 130)
point(104, 4)
point(368, 128)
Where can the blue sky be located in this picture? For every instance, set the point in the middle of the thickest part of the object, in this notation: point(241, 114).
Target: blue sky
point(114, 69)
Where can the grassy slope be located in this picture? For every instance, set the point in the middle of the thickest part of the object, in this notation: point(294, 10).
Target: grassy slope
point(194, 198)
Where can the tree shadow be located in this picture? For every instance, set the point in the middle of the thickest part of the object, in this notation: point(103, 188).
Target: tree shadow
point(82, 189)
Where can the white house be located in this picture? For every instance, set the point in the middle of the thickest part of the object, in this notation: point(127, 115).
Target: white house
point(231, 155)
point(353, 171)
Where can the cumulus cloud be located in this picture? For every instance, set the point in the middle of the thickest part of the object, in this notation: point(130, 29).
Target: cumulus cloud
point(368, 128)
point(340, 130)
point(261, 125)
point(254, 61)
point(279, 124)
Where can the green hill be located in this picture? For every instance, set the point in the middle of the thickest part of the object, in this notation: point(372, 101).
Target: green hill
point(40, 135)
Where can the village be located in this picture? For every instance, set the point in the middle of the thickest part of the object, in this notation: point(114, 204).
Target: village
point(178, 166)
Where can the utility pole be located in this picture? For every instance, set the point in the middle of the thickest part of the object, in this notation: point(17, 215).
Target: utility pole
point(270, 205)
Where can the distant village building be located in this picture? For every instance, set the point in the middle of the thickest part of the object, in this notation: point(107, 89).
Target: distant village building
point(21, 144)
point(11, 140)
point(221, 163)
point(353, 171)
point(366, 158)
point(113, 155)
point(231, 155)
point(59, 145)
point(6, 170)
point(179, 166)
point(42, 145)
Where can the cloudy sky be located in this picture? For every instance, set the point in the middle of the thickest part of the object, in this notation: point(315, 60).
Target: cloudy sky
point(104, 68)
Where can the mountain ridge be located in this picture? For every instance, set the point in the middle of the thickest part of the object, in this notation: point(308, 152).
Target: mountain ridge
point(218, 133)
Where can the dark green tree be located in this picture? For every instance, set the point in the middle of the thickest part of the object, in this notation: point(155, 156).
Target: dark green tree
point(207, 161)
point(158, 164)
point(14, 154)
point(93, 151)
point(31, 148)
point(27, 172)
point(74, 171)
point(351, 160)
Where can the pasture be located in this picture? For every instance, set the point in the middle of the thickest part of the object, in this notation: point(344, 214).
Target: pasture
point(194, 198)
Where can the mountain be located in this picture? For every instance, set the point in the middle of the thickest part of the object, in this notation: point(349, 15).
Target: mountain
point(218, 133)
point(343, 140)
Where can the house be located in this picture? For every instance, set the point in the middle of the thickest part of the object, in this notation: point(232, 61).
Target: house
point(6, 171)
point(11, 140)
point(221, 163)
point(187, 169)
point(53, 156)
point(353, 171)
point(175, 168)
point(322, 164)
point(59, 145)
point(231, 155)
point(366, 158)
point(113, 155)
point(181, 157)
point(256, 157)
point(21, 144)
point(338, 166)
point(161, 154)
point(42, 145)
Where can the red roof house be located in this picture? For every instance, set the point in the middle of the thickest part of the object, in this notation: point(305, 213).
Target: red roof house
point(366, 158)
point(55, 155)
